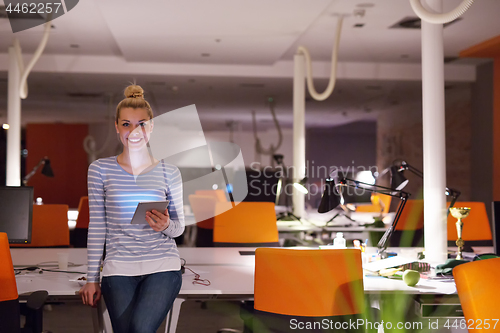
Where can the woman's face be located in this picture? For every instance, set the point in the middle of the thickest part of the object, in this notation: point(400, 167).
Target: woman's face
point(134, 128)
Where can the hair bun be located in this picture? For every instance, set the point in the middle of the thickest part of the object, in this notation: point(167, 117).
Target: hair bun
point(134, 91)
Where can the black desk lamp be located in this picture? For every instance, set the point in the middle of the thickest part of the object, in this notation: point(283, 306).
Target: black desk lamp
point(399, 181)
point(46, 170)
point(332, 197)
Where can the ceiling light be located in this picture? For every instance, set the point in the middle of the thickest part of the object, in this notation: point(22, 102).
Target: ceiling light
point(205, 54)
point(74, 46)
point(5, 126)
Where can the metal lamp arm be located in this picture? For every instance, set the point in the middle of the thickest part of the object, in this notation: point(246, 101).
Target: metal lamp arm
point(412, 169)
point(403, 196)
point(454, 196)
point(373, 188)
point(382, 244)
point(32, 173)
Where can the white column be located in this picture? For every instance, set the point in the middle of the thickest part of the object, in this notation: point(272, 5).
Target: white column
point(299, 130)
point(433, 121)
point(14, 120)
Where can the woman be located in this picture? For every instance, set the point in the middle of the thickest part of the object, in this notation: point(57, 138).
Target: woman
point(141, 268)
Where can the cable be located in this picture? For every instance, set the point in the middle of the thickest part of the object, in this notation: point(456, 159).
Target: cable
point(440, 18)
point(258, 146)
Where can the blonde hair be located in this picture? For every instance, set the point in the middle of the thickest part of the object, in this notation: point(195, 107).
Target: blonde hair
point(134, 98)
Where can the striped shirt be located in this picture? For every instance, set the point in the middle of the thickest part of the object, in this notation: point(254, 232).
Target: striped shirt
point(131, 249)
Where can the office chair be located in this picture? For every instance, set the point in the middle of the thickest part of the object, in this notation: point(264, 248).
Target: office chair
point(380, 204)
point(476, 229)
point(249, 224)
point(478, 285)
point(306, 285)
point(410, 228)
point(220, 195)
point(203, 207)
point(49, 227)
point(10, 309)
point(78, 236)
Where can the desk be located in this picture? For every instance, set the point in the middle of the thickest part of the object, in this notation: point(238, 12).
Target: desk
point(231, 276)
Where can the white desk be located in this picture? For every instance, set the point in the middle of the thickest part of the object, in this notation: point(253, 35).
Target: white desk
point(231, 276)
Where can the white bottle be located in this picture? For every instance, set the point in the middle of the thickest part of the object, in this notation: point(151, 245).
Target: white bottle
point(339, 241)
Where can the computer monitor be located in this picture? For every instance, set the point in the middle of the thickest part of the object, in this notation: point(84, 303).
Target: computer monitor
point(496, 226)
point(16, 211)
point(261, 184)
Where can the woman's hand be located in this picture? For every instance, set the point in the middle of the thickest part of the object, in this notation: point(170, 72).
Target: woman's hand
point(157, 220)
point(90, 293)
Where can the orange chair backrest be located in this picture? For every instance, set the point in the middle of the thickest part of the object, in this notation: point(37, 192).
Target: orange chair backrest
point(380, 203)
point(478, 283)
point(247, 222)
point(220, 195)
point(476, 225)
point(8, 286)
point(203, 207)
point(313, 283)
point(82, 221)
point(49, 226)
point(412, 217)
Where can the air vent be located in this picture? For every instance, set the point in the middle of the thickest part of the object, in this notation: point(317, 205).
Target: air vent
point(252, 85)
point(415, 23)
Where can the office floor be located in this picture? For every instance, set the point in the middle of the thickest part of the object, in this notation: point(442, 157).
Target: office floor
point(77, 318)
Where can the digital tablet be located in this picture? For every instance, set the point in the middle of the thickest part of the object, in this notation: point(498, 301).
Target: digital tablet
point(143, 207)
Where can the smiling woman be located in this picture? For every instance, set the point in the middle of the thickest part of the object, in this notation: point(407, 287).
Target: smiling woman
point(141, 268)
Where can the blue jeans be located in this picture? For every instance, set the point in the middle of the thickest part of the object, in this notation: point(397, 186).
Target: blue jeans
point(138, 304)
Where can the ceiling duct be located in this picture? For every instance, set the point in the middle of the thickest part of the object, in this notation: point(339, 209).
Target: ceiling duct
point(410, 22)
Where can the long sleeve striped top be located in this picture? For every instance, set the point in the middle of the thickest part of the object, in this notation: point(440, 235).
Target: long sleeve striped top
point(131, 249)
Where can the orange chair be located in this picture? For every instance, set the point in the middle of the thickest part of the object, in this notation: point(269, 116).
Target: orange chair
point(246, 224)
point(306, 285)
point(476, 229)
point(220, 195)
point(478, 284)
point(10, 310)
point(381, 203)
point(78, 236)
point(82, 221)
point(49, 226)
point(203, 207)
point(410, 228)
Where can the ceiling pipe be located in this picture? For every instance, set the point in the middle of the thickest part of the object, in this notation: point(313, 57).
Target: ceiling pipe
point(17, 90)
point(440, 18)
point(23, 92)
point(301, 59)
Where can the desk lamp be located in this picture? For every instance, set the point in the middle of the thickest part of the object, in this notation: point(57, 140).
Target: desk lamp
point(301, 185)
point(46, 170)
point(399, 181)
point(332, 198)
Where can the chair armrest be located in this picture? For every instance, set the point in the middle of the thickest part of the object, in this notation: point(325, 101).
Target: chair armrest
point(37, 299)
